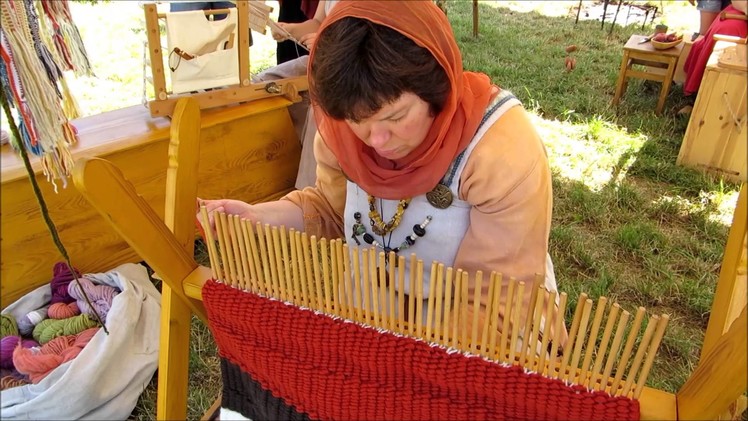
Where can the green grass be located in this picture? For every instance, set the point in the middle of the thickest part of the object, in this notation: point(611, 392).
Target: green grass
point(628, 222)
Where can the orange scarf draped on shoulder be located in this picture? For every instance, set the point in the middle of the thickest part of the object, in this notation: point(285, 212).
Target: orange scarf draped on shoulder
point(452, 129)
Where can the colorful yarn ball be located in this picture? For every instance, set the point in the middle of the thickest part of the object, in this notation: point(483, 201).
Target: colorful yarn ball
point(37, 363)
point(26, 323)
point(8, 326)
point(60, 281)
point(49, 329)
point(8, 344)
point(63, 311)
point(101, 297)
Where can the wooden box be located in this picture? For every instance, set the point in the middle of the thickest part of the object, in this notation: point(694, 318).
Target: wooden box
point(716, 137)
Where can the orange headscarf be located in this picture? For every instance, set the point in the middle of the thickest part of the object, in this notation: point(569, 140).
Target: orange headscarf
point(453, 127)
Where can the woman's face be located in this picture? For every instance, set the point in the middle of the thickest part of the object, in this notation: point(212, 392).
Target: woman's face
point(398, 128)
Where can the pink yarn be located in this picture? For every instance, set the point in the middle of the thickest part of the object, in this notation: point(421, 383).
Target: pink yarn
point(37, 363)
point(63, 311)
point(101, 296)
point(59, 284)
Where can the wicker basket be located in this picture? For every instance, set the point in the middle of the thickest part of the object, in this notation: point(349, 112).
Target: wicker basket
point(665, 45)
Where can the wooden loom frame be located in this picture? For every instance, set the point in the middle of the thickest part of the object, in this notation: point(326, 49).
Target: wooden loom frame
point(164, 102)
point(718, 381)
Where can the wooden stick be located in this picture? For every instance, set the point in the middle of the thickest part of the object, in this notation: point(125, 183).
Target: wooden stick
point(656, 341)
point(243, 252)
point(457, 311)
point(419, 299)
point(317, 275)
point(222, 234)
point(401, 294)
point(641, 350)
point(493, 347)
point(276, 269)
point(211, 242)
point(526, 326)
point(547, 329)
point(285, 270)
point(592, 339)
point(532, 342)
point(573, 367)
point(633, 333)
point(615, 347)
point(365, 285)
point(384, 305)
point(439, 303)
point(516, 312)
point(349, 281)
point(412, 295)
point(484, 338)
point(572, 335)
point(235, 254)
point(266, 287)
point(558, 327)
point(447, 308)
point(392, 259)
point(374, 279)
point(477, 292)
point(308, 277)
point(506, 337)
point(336, 270)
point(358, 303)
point(251, 247)
point(295, 237)
point(431, 299)
point(325, 286)
point(601, 352)
point(464, 343)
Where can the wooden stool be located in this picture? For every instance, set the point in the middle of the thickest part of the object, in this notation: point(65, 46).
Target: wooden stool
point(659, 66)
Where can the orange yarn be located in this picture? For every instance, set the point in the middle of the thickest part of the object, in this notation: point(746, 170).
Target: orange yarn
point(37, 364)
point(63, 311)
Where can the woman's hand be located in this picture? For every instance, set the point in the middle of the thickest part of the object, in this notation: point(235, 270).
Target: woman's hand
point(308, 40)
point(279, 35)
point(227, 206)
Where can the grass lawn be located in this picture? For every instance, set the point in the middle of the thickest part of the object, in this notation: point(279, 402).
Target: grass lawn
point(628, 223)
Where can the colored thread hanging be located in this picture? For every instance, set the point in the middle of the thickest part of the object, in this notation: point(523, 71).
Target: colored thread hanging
point(49, 329)
point(37, 363)
point(40, 199)
point(8, 326)
point(8, 344)
point(59, 311)
point(101, 296)
point(26, 323)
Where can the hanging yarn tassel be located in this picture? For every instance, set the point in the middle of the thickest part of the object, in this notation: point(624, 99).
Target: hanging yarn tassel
point(49, 329)
point(101, 296)
point(37, 363)
point(27, 322)
point(8, 326)
point(59, 311)
point(8, 344)
point(51, 68)
point(61, 278)
point(67, 38)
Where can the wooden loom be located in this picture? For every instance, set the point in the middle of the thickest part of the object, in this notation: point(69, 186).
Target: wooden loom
point(167, 247)
point(250, 14)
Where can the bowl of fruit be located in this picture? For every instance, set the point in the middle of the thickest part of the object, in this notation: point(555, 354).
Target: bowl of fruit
point(663, 41)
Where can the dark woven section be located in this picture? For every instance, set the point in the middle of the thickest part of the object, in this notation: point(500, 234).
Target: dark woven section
point(332, 369)
point(244, 395)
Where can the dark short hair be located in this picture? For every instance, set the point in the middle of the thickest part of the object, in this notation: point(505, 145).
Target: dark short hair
point(359, 66)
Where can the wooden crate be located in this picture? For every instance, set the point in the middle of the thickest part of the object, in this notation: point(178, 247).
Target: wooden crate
point(716, 137)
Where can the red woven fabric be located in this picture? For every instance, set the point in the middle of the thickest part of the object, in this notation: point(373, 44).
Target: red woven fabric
point(333, 369)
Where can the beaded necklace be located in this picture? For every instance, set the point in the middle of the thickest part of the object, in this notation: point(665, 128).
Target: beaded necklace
point(377, 225)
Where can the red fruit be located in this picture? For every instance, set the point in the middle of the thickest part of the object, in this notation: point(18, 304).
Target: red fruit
point(661, 37)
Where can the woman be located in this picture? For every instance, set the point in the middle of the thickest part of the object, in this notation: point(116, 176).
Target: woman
point(408, 139)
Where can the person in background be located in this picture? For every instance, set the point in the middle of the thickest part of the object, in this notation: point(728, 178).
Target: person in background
point(698, 57)
point(708, 11)
point(291, 11)
point(416, 155)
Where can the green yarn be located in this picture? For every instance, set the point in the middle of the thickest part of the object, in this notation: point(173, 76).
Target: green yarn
point(49, 329)
point(9, 326)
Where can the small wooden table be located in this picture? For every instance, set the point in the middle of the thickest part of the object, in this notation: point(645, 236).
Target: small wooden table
point(659, 66)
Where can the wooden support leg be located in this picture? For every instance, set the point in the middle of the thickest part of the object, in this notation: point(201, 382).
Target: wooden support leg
point(174, 357)
point(666, 85)
point(621, 84)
